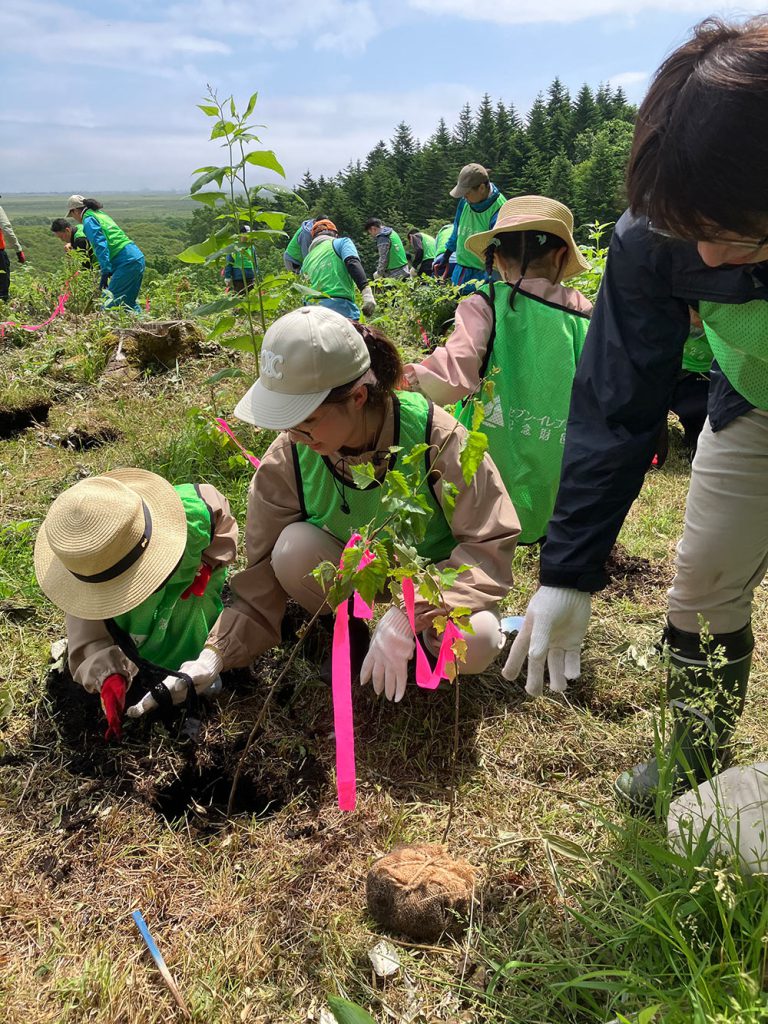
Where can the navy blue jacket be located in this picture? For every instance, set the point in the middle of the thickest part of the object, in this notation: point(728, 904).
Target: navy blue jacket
point(623, 387)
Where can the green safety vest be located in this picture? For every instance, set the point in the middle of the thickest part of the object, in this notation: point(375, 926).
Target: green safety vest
point(293, 249)
point(739, 339)
point(323, 491)
point(470, 223)
point(79, 232)
point(534, 348)
point(428, 245)
point(397, 256)
point(326, 271)
point(242, 260)
point(441, 238)
point(697, 353)
point(166, 630)
point(116, 237)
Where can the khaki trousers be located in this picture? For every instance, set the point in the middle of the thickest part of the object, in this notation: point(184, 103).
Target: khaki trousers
point(301, 547)
point(723, 552)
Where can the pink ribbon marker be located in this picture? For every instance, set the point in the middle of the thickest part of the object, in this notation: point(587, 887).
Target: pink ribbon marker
point(425, 677)
point(58, 310)
point(225, 428)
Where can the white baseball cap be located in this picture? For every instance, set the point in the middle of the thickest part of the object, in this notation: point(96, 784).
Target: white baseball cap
point(304, 356)
point(75, 203)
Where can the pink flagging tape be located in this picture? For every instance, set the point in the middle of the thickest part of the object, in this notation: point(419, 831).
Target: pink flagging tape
point(58, 310)
point(424, 335)
point(425, 677)
point(225, 428)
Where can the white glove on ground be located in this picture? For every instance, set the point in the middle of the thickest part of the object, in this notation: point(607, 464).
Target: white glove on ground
point(203, 672)
point(553, 631)
point(386, 663)
point(368, 304)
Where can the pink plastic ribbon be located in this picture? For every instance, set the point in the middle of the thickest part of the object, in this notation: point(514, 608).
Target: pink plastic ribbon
point(225, 428)
point(425, 677)
point(58, 310)
point(424, 335)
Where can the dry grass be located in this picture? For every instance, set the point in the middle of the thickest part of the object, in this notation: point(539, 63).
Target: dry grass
point(263, 916)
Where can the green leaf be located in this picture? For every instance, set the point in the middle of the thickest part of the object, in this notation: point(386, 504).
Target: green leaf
point(347, 1012)
point(208, 109)
point(222, 325)
point(471, 454)
point(217, 306)
point(415, 453)
point(251, 105)
point(478, 414)
point(364, 475)
point(222, 128)
point(448, 494)
point(214, 174)
point(209, 198)
point(230, 371)
point(242, 342)
point(272, 220)
point(198, 253)
point(565, 847)
point(265, 158)
point(204, 170)
point(232, 107)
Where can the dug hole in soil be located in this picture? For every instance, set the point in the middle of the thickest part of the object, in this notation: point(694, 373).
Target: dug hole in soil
point(15, 419)
point(179, 776)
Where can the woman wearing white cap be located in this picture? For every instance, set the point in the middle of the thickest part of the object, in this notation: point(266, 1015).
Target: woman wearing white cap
point(525, 333)
point(329, 386)
point(138, 566)
point(120, 259)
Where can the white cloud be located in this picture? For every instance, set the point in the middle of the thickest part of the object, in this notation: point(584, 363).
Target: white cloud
point(632, 82)
point(529, 12)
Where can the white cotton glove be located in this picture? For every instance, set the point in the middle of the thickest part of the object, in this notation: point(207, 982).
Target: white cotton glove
point(368, 304)
point(203, 672)
point(553, 631)
point(386, 663)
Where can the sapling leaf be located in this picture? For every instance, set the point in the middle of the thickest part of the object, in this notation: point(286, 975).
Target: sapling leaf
point(415, 453)
point(199, 252)
point(217, 306)
point(214, 174)
point(471, 454)
point(364, 475)
point(242, 342)
point(448, 494)
point(370, 581)
point(265, 158)
point(229, 371)
point(250, 107)
point(208, 109)
point(222, 128)
point(209, 198)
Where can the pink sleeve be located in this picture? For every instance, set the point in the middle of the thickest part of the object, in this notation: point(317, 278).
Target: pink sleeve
point(453, 371)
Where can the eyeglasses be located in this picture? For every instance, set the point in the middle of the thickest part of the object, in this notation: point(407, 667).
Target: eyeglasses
point(747, 246)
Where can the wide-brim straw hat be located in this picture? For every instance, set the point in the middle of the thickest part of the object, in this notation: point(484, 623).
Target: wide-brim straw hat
point(109, 542)
point(534, 213)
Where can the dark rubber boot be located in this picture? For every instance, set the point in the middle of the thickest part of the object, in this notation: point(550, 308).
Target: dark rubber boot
point(706, 687)
point(359, 642)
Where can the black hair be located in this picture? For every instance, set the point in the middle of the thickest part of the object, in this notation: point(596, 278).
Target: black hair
point(700, 149)
point(60, 224)
point(372, 222)
point(93, 204)
point(525, 248)
point(386, 367)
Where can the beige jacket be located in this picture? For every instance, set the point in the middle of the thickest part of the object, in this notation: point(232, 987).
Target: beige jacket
point(484, 525)
point(11, 241)
point(453, 371)
point(93, 654)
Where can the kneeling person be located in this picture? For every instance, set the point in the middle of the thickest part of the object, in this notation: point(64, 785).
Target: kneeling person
point(138, 566)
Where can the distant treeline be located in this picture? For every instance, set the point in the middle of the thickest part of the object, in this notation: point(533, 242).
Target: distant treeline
point(572, 149)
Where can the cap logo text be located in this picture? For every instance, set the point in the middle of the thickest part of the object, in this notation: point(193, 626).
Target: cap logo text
point(270, 364)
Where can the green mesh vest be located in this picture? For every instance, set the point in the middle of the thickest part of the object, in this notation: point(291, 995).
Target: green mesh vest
point(441, 238)
point(428, 245)
point(116, 237)
point(166, 630)
point(738, 336)
point(534, 349)
point(323, 491)
point(470, 223)
point(78, 232)
point(327, 273)
point(397, 257)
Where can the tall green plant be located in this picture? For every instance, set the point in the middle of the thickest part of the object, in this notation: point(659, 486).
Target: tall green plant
point(244, 215)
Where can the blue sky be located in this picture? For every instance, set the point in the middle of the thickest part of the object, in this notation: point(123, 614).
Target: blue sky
point(100, 96)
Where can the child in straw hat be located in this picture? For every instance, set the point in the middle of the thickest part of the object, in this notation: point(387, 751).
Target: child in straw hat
point(138, 566)
point(525, 334)
point(328, 385)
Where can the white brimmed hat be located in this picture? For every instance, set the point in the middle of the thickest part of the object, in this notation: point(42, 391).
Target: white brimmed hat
point(75, 203)
point(109, 542)
point(533, 213)
point(304, 356)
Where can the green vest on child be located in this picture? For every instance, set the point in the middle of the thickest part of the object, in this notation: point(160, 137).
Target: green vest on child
point(534, 348)
point(166, 630)
point(323, 492)
point(470, 223)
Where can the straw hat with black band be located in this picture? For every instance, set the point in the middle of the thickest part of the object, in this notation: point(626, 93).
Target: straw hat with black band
point(534, 213)
point(109, 542)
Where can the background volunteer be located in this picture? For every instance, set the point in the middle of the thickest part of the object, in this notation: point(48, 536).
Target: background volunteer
point(7, 237)
point(121, 260)
point(479, 203)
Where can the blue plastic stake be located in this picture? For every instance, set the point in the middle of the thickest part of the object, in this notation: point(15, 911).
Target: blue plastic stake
point(157, 956)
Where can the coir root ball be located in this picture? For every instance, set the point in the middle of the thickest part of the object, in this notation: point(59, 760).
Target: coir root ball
point(420, 891)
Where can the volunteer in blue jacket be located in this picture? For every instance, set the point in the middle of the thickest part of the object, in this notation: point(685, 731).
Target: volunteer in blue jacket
point(332, 266)
point(479, 205)
point(696, 235)
point(121, 260)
